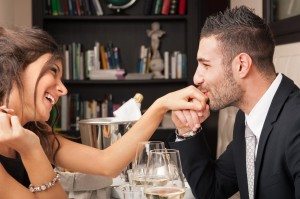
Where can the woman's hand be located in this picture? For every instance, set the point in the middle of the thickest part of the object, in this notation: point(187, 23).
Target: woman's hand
point(13, 135)
point(189, 98)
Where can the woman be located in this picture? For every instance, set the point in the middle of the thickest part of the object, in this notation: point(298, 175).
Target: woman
point(30, 85)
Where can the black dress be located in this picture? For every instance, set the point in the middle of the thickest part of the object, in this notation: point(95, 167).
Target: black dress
point(16, 169)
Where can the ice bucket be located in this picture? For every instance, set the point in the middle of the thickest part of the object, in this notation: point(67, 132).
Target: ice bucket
point(102, 132)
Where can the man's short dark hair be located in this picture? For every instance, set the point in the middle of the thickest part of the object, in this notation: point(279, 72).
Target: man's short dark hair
point(240, 30)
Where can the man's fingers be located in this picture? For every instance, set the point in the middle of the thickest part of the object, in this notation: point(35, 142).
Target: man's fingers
point(181, 117)
point(195, 119)
point(188, 118)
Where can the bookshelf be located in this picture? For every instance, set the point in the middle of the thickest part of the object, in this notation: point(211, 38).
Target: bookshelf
point(128, 32)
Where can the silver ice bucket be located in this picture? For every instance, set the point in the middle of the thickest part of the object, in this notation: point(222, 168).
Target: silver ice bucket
point(102, 132)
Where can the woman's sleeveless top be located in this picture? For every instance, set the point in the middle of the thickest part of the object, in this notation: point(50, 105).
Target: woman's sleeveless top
point(16, 169)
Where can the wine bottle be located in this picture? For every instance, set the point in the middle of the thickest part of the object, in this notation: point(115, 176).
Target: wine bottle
point(138, 98)
point(130, 110)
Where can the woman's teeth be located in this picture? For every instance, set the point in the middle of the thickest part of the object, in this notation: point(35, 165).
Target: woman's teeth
point(50, 98)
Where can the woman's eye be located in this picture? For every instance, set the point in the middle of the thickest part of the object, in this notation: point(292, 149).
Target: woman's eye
point(54, 70)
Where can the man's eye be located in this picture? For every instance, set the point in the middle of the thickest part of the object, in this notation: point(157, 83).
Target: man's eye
point(206, 65)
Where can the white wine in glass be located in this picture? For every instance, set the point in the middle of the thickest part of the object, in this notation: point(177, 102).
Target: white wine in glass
point(165, 166)
point(140, 161)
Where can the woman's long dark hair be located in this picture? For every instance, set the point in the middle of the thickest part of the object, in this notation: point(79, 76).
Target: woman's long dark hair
point(19, 48)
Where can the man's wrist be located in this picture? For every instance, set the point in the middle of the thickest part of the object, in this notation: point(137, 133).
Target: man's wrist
point(188, 134)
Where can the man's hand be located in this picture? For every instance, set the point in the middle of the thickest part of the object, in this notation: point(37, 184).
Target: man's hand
point(189, 120)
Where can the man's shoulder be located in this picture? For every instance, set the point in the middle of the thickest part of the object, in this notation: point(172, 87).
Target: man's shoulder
point(290, 112)
point(293, 101)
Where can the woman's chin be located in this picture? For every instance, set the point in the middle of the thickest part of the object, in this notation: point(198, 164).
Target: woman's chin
point(43, 117)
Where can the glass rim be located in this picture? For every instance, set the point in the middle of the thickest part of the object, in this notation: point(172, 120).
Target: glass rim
point(155, 142)
point(164, 151)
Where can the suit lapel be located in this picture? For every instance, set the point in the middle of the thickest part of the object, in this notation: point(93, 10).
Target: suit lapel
point(285, 88)
point(240, 154)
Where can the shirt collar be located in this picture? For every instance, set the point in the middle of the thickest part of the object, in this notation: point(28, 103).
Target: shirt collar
point(256, 118)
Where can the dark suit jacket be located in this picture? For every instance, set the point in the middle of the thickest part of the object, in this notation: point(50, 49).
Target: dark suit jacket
point(277, 165)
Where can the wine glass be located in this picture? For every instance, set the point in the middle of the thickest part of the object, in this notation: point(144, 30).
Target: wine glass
point(141, 158)
point(164, 177)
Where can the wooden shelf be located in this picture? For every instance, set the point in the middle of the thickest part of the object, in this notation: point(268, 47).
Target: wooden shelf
point(119, 17)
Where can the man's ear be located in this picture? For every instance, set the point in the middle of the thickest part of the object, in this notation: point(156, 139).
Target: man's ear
point(242, 64)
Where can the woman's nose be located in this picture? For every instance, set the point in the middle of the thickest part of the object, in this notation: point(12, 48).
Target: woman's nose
point(62, 89)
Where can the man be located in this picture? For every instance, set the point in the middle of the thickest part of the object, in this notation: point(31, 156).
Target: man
point(235, 68)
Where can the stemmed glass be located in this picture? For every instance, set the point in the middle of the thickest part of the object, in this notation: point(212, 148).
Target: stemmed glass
point(141, 158)
point(164, 177)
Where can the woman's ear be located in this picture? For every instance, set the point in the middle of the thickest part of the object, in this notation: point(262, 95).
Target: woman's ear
point(242, 64)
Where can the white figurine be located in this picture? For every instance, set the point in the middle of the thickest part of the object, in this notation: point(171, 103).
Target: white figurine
point(156, 63)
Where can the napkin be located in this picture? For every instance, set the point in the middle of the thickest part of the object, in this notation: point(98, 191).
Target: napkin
point(129, 111)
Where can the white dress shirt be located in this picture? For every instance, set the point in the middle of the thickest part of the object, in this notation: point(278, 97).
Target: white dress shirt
point(258, 114)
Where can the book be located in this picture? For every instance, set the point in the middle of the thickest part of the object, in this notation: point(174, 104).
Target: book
point(166, 64)
point(98, 7)
point(54, 7)
point(86, 7)
point(157, 7)
point(107, 74)
point(138, 76)
point(89, 62)
point(70, 8)
point(48, 10)
point(166, 7)
point(65, 7)
point(182, 7)
point(67, 64)
point(179, 66)
point(103, 58)
point(174, 65)
point(148, 7)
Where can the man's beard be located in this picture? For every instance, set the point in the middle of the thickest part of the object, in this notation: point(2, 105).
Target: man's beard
point(225, 93)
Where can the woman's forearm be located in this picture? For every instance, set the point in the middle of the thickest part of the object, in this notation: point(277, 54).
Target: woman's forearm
point(120, 154)
point(40, 172)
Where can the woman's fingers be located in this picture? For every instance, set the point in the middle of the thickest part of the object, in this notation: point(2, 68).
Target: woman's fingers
point(195, 93)
point(4, 123)
point(6, 110)
point(16, 125)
